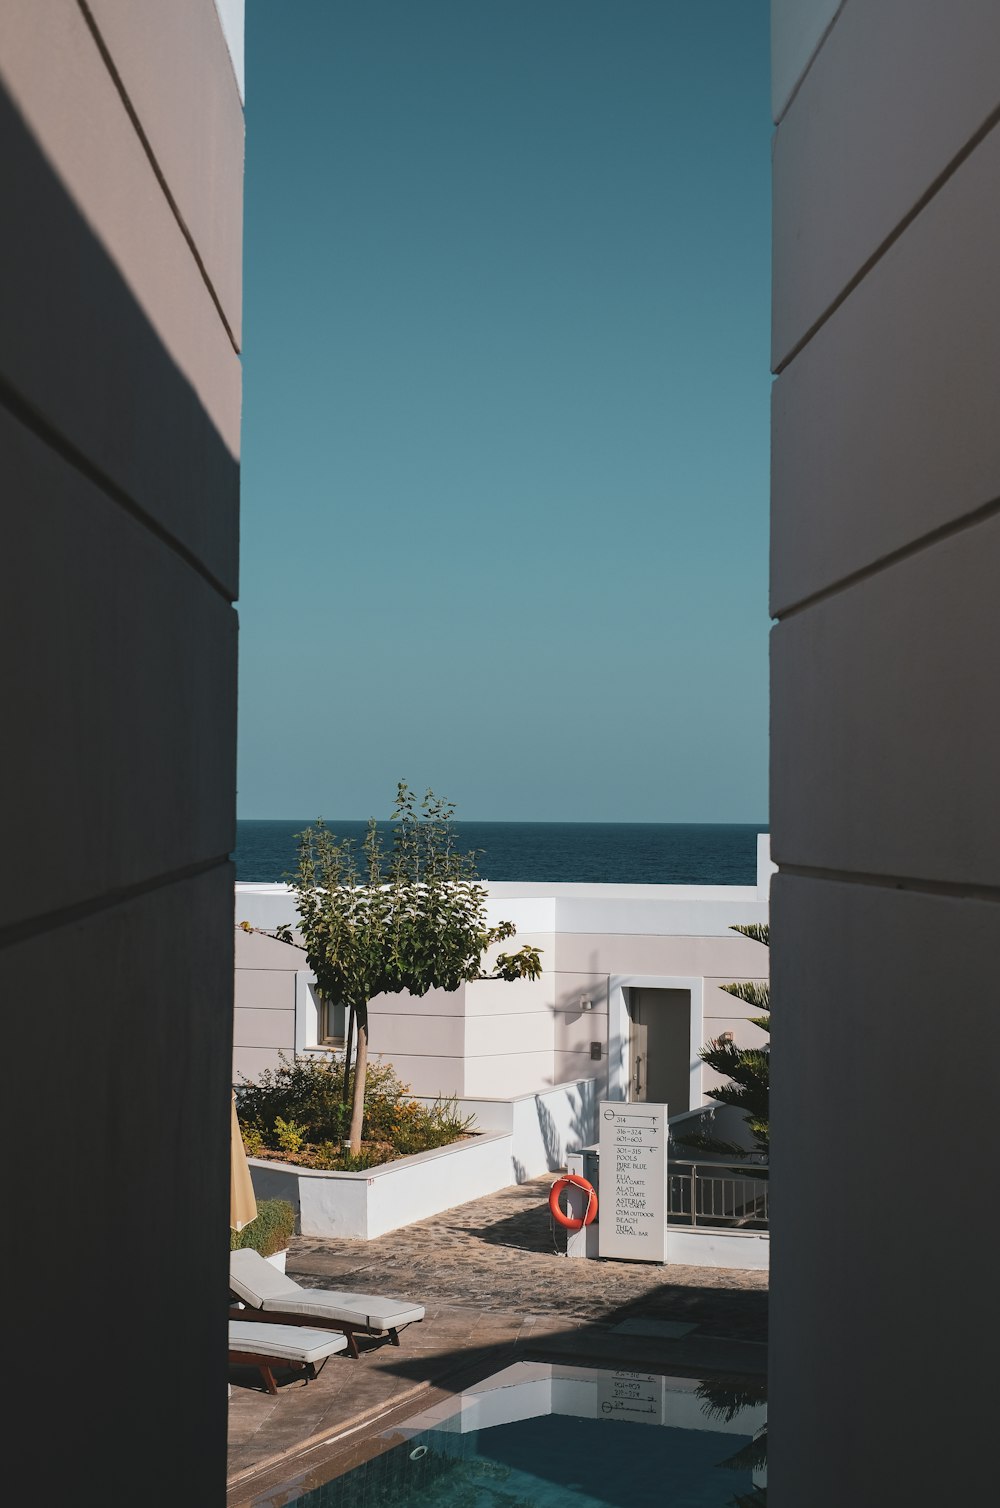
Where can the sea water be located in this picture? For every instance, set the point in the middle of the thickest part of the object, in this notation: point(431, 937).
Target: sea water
point(603, 853)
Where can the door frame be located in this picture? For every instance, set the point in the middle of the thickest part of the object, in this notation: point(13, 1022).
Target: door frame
point(619, 1078)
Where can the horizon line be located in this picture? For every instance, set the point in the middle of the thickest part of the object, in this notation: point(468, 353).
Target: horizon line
point(535, 821)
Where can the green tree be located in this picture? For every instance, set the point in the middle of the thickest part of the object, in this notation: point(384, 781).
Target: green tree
point(410, 918)
point(748, 1069)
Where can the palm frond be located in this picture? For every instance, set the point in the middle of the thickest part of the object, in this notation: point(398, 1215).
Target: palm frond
point(756, 931)
point(753, 992)
point(725, 1397)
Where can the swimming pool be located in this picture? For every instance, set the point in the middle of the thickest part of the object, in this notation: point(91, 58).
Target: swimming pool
point(542, 1435)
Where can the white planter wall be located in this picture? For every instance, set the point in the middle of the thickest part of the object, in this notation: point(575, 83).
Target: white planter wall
point(546, 1126)
point(363, 1205)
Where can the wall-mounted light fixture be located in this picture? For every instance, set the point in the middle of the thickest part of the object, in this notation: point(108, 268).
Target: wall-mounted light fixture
point(586, 1004)
point(725, 1037)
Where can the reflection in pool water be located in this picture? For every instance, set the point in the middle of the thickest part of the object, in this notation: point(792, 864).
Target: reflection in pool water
point(541, 1435)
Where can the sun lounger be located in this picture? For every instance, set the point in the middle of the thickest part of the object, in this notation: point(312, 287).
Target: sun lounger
point(264, 1346)
point(272, 1296)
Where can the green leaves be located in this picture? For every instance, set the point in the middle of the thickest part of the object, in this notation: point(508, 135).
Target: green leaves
point(297, 1110)
point(412, 917)
point(747, 1069)
point(526, 963)
point(270, 1231)
point(756, 931)
point(409, 914)
point(756, 993)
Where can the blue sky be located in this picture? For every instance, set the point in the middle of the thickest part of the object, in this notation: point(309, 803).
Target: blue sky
point(505, 429)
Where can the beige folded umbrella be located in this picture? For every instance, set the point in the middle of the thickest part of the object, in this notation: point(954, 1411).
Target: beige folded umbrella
point(242, 1203)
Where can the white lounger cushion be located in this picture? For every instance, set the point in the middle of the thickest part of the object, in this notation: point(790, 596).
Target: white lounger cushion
point(260, 1285)
point(349, 1308)
point(284, 1342)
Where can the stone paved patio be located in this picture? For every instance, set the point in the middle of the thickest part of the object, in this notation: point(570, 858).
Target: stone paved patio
point(496, 1284)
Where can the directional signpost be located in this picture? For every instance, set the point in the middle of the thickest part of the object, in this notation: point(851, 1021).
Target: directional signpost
point(633, 1171)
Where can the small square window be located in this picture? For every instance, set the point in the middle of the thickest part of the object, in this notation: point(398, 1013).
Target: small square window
point(332, 1019)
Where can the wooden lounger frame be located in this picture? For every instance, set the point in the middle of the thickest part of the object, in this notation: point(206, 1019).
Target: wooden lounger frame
point(266, 1364)
point(316, 1322)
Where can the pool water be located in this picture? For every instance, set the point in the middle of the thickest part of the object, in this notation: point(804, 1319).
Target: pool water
point(540, 1435)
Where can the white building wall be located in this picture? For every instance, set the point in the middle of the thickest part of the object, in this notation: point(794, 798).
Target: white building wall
point(494, 1038)
point(231, 19)
point(264, 1016)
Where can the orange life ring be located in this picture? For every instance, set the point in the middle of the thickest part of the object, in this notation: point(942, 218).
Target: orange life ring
point(570, 1221)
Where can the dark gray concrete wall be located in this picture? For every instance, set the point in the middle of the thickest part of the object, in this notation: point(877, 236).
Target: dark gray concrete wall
point(885, 749)
point(121, 164)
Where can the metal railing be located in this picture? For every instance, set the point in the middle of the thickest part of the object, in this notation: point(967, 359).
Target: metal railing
point(720, 1194)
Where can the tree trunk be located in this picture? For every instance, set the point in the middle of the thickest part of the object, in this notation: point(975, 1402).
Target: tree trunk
point(360, 1073)
point(348, 1045)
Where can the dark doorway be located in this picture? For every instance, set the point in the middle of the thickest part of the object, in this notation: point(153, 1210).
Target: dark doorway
point(660, 1047)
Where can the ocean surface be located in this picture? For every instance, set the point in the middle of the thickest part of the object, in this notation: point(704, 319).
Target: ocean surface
point(607, 853)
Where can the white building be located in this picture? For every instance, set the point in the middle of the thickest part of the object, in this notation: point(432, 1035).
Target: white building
point(630, 990)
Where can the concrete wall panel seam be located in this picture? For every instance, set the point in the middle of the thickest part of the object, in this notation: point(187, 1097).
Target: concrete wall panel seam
point(785, 84)
point(892, 690)
point(867, 470)
point(133, 116)
point(150, 417)
point(63, 447)
point(912, 884)
point(781, 364)
point(900, 92)
point(876, 568)
point(69, 916)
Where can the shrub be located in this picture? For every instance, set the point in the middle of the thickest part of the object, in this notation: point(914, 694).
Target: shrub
point(412, 1127)
point(303, 1091)
point(297, 1110)
point(270, 1231)
point(289, 1136)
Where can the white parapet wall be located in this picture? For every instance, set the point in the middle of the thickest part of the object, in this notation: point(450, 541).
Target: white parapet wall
point(686, 1246)
point(746, 1250)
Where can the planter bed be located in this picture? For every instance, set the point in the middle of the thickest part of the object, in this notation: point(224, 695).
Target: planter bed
point(380, 1199)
